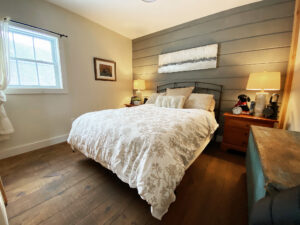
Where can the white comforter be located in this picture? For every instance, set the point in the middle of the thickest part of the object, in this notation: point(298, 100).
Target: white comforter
point(148, 147)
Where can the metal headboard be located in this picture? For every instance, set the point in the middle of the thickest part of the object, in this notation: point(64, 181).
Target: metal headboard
point(199, 87)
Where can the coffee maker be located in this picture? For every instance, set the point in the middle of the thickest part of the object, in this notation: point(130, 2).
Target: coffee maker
point(271, 112)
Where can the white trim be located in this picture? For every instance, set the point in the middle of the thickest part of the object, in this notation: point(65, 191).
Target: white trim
point(5, 153)
point(19, 91)
point(45, 143)
point(61, 63)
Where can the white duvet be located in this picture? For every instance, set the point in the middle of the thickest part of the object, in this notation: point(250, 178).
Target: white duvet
point(148, 147)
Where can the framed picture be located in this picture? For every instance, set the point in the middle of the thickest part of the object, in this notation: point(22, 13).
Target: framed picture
point(105, 69)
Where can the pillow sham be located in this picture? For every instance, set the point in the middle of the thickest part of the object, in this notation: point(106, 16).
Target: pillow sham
point(186, 92)
point(153, 97)
point(170, 101)
point(200, 101)
point(213, 105)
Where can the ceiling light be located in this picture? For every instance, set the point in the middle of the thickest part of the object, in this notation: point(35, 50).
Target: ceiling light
point(148, 0)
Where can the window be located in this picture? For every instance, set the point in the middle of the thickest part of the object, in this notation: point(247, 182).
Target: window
point(34, 60)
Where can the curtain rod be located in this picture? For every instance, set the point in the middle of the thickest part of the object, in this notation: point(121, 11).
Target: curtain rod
point(28, 25)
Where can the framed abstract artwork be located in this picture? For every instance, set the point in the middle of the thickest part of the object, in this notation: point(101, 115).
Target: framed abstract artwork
point(199, 58)
point(105, 69)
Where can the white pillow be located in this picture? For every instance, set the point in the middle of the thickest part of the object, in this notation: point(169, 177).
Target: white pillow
point(212, 106)
point(170, 101)
point(186, 92)
point(199, 101)
point(153, 97)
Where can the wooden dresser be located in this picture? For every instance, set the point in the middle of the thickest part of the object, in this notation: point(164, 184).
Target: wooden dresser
point(272, 162)
point(237, 128)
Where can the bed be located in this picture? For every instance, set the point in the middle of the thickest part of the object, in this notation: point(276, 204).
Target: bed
point(148, 147)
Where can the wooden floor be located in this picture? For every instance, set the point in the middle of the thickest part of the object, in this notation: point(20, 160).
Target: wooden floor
point(56, 186)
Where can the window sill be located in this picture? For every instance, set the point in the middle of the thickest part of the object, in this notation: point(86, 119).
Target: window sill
point(22, 91)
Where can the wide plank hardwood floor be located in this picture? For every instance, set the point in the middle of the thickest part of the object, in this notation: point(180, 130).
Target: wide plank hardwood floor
point(56, 186)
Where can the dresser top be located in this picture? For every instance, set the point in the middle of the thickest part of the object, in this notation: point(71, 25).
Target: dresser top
point(249, 117)
point(279, 152)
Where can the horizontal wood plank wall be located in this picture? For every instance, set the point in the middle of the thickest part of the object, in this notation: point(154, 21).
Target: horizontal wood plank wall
point(251, 38)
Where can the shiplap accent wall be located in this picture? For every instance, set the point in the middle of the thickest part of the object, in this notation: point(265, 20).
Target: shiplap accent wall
point(251, 38)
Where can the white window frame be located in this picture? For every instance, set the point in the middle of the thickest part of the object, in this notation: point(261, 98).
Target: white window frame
point(60, 68)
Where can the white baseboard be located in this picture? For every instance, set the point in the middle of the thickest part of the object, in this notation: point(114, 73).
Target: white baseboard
point(32, 146)
point(17, 150)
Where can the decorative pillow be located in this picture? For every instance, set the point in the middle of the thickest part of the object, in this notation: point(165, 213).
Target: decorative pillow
point(212, 106)
point(199, 101)
point(170, 101)
point(153, 97)
point(186, 92)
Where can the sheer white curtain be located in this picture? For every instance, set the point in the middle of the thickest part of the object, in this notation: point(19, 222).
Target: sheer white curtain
point(3, 215)
point(6, 127)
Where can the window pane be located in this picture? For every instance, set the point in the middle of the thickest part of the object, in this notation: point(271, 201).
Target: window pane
point(46, 74)
point(24, 46)
point(28, 75)
point(11, 45)
point(43, 50)
point(13, 79)
point(33, 61)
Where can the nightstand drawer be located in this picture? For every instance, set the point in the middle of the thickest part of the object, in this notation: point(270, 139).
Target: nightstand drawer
point(241, 124)
point(236, 136)
point(237, 127)
point(245, 124)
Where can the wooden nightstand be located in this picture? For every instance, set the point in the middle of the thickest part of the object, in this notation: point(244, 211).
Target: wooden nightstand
point(237, 128)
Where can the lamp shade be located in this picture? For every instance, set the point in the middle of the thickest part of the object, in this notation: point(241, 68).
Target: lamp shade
point(268, 81)
point(139, 84)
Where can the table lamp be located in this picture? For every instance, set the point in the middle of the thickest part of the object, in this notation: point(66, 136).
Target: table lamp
point(263, 81)
point(139, 85)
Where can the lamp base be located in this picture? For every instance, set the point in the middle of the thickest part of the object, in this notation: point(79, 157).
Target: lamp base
point(260, 103)
point(140, 95)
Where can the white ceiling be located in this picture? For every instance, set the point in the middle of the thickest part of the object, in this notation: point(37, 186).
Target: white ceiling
point(135, 18)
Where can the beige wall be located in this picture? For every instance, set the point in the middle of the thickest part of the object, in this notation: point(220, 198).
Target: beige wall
point(293, 112)
point(43, 119)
